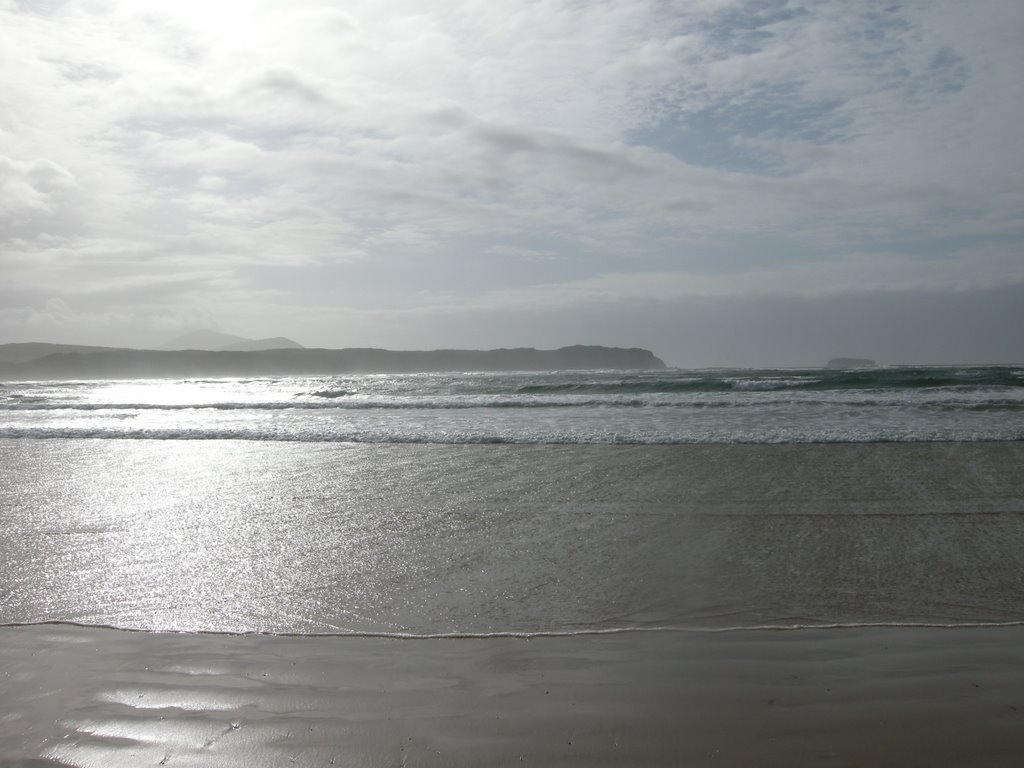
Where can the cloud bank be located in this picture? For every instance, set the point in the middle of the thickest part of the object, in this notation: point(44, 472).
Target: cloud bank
point(418, 174)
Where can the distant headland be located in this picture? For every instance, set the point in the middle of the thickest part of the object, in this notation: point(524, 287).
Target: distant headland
point(20, 362)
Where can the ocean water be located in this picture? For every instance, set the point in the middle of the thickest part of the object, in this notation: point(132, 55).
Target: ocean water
point(516, 504)
point(674, 406)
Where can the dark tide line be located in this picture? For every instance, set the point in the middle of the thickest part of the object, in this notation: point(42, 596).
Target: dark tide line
point(39, 434)
point(28, 405)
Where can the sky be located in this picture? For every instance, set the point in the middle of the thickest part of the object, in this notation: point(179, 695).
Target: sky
point(724, 182)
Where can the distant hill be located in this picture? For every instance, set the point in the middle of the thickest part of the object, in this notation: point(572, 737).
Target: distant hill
point(213, 341)
point(204, 339)
point(106, 363)
point(22, 353)
point(255, 345)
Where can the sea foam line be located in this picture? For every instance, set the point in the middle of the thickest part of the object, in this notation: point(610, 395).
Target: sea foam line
point(540, 634)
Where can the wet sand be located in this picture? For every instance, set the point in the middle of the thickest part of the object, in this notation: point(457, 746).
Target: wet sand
point(836, 533)
point(824, 697)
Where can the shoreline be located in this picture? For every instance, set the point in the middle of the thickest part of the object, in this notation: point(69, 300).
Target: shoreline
point(863, 526)
point(84, 696)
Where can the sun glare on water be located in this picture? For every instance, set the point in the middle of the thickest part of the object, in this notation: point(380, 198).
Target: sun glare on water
point(168, 393)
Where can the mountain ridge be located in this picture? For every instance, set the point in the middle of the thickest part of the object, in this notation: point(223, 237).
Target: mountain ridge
point(120, 363)
point(215, 341)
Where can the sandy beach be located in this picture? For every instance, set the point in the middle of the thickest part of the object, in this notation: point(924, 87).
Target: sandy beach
point(511, 539)
point(837, 697)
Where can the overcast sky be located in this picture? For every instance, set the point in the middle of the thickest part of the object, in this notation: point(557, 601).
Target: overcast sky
point(723, 182)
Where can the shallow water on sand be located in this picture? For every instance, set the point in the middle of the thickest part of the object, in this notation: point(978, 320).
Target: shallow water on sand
point(243, 536)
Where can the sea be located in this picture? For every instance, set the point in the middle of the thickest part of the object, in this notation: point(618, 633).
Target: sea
point(977, 403)
point(516, 504)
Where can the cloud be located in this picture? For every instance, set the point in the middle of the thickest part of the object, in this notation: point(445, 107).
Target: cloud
point(282, 82)
point(509, 155)
point(31, 190)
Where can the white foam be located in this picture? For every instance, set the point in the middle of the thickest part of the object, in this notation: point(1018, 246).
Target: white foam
point(557, 633)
